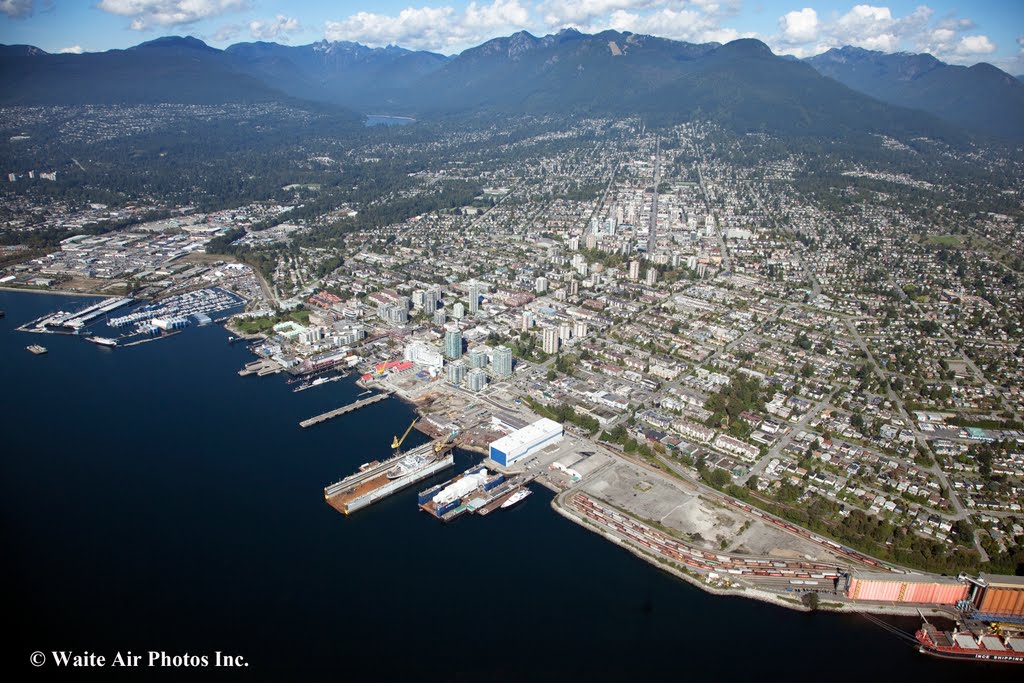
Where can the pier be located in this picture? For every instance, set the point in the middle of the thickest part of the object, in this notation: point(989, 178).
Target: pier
point(261, 368)
point(351, 407)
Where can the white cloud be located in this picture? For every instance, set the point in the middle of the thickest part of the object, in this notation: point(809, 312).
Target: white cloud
point(227, 32)
point(147, 13)
point(683, 24)
point(803, 33)
point(799, 26)
point(866, 26)
point(581, 13)
point(17, 9)
point(975, 45)
point(71, 50)
point(432, 28)
point(272, 28)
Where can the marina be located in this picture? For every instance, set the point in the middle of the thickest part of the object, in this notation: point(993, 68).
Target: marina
point(73, 322)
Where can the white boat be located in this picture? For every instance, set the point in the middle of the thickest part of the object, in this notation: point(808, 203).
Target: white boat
point(102, 341)
point(516, 497)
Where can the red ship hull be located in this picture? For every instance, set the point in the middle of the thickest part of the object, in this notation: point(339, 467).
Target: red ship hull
point(979, 655)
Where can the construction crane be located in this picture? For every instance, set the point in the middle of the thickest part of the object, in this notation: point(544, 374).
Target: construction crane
point(396, 443)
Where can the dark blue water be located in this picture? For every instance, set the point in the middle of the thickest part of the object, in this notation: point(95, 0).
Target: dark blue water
point(152, 499)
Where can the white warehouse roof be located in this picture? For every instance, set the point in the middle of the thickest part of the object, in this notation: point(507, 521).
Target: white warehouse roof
point(528, 435)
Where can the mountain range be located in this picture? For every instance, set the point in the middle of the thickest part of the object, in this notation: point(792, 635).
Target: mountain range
point(980, 97)
point(742, 83)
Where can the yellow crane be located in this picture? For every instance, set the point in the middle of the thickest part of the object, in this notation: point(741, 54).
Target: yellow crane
point(396, 443)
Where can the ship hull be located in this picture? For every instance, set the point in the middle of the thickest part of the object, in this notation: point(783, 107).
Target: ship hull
point(928, 647)
point(966, 655)
point(396, 485)
point(372, 484)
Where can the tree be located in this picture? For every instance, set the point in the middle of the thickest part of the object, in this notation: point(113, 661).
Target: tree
point(811, 601)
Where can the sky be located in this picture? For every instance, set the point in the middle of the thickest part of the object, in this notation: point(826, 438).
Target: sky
point(955, 31)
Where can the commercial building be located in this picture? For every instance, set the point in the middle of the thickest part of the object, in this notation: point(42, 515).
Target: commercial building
point(457, 372)
point(549, 340)
point(523, 442)
point(478, 357)
point(476, 380)
point(424, 354)
point(453, 344)
point(474, 297)
point(431, 298)
point(502, 361)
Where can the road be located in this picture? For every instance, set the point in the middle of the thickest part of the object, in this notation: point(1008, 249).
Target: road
point(784, 442)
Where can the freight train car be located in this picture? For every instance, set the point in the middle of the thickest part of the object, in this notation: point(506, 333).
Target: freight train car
point(886, 587)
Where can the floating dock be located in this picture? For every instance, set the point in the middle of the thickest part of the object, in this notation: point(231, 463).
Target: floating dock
point(373, 483)
point(77, 320)
point(476, 490)
point(324, 417)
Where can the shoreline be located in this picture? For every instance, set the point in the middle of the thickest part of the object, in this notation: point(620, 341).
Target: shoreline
point(744, 591)
point(58, 292)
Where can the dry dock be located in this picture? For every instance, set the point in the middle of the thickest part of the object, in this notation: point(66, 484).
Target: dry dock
point(372, 483)
point(323, 417)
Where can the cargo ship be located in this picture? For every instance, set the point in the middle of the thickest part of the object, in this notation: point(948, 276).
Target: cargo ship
point(377, 480)
point(984, 646)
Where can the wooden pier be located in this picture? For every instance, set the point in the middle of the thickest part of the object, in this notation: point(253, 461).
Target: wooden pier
point(344, 409)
